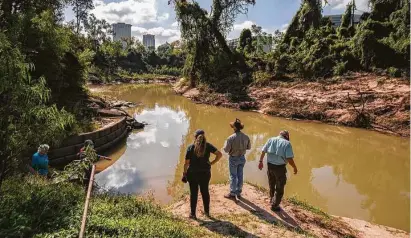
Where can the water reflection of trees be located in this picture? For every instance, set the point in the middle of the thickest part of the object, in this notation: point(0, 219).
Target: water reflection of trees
point(377, 165)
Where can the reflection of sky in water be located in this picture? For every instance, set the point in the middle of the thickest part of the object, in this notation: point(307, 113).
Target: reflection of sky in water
point(151, 155)
point(341, 197)
point(345, 171)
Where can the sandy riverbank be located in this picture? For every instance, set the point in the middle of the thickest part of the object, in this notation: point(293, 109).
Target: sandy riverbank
point(374, 102)
point(251, 217)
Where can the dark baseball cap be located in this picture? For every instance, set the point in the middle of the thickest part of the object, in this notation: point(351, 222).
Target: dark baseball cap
point(198, 132)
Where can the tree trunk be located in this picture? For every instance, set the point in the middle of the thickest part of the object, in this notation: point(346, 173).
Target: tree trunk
point(223, 44)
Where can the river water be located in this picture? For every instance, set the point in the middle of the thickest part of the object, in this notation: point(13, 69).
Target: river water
point(345, 171)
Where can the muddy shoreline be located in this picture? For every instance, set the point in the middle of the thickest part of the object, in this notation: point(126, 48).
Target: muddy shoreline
point(366, 101)
point(251, 216)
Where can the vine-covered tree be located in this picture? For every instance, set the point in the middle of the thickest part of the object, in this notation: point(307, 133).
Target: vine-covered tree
point(346, 18)
point(245, 41)
point(209, 58)
point(81, 9)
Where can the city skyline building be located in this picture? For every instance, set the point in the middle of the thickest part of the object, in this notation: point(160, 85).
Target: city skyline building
point(336, 19)
point(121, 31)
point(149, 41)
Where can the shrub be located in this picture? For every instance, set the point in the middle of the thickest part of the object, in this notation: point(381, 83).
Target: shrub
point(33, 206)
point(165, 70)
point(394, 72)
point(340, 68)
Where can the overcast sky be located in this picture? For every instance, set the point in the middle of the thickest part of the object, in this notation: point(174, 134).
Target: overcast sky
point(158, 18)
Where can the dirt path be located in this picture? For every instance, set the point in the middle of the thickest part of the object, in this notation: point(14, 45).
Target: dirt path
point(362, 100)
point(251, 217)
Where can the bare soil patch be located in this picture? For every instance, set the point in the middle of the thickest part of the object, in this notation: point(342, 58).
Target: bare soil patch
point(368, 101)
point(251, 216)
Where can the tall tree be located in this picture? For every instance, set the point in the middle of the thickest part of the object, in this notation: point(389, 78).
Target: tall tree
point(81, 9)
point(245, 40)
point(26, 117)
point(97, 30)
point(205, 34)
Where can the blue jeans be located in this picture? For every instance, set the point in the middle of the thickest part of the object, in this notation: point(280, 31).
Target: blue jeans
point(236, 166)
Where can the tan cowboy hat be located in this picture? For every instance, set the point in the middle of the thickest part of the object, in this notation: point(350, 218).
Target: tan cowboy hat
point(237, 124)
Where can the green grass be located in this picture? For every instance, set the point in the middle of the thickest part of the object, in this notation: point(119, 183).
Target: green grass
point(145, 76)
point(33, 207)
point(304, 205)
point(257, 186)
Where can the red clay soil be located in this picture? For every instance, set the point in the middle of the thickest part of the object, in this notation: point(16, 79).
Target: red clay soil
point(250, 216)
point(369, 101)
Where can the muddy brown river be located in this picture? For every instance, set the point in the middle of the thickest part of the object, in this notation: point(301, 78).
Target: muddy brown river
point(345, 171)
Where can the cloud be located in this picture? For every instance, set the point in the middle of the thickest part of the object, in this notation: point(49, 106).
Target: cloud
point(245, 24)
point(162, 34)
point(133, 12)
point(145, 16)
point(237, 28)
point(175, 24)
point(284, 27)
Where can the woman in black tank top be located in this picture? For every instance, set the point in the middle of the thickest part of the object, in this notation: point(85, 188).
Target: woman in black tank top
point(197, 171)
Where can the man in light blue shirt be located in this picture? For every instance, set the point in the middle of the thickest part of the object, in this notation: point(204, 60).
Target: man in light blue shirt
point(279, 153)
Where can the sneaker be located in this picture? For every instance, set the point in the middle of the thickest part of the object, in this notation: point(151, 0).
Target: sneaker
point(193, 216)
point(275, 208)
point(229, 195)
point(207, 214)
point(239, 196)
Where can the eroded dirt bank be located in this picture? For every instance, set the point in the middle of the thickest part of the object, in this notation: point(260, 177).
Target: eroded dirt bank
point(251, 217)
point(368, 101)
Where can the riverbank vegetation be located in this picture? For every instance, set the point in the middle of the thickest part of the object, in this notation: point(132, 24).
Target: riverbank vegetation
point(355, 61)
point(34, 207)
point(310, 48)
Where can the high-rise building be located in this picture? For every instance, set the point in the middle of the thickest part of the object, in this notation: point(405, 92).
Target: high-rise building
point(233, 43)
point(149, 41)
point(121, 31)
point(336, 19)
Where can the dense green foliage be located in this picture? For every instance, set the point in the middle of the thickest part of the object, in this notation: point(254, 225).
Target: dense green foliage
point(41, 72)
point(245, 41)
point(44, 65)
point(209, 59)
point(111, 58)
point(33, 207)
point(311, 48)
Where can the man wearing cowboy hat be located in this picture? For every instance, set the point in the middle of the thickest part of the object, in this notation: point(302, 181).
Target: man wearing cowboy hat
point(236, 146)
point(279, 153)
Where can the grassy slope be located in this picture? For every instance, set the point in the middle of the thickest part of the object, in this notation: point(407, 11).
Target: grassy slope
point(32, 207)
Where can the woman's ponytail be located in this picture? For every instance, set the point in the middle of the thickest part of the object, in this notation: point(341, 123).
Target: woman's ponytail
point(199, 145)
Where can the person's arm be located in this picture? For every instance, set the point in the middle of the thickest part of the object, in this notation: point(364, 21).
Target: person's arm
point(248, 144)
point(218, 156)
point(32, 170)
point(261, 164)
point(32, 165)
point(289, 154)
point(292, 163)
point(187, 161)
point(186, 165)
point(227, 146)
point(263, 152)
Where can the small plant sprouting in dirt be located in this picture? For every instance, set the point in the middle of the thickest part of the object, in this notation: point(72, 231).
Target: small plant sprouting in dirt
point(380, 81)
point(363, 119)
